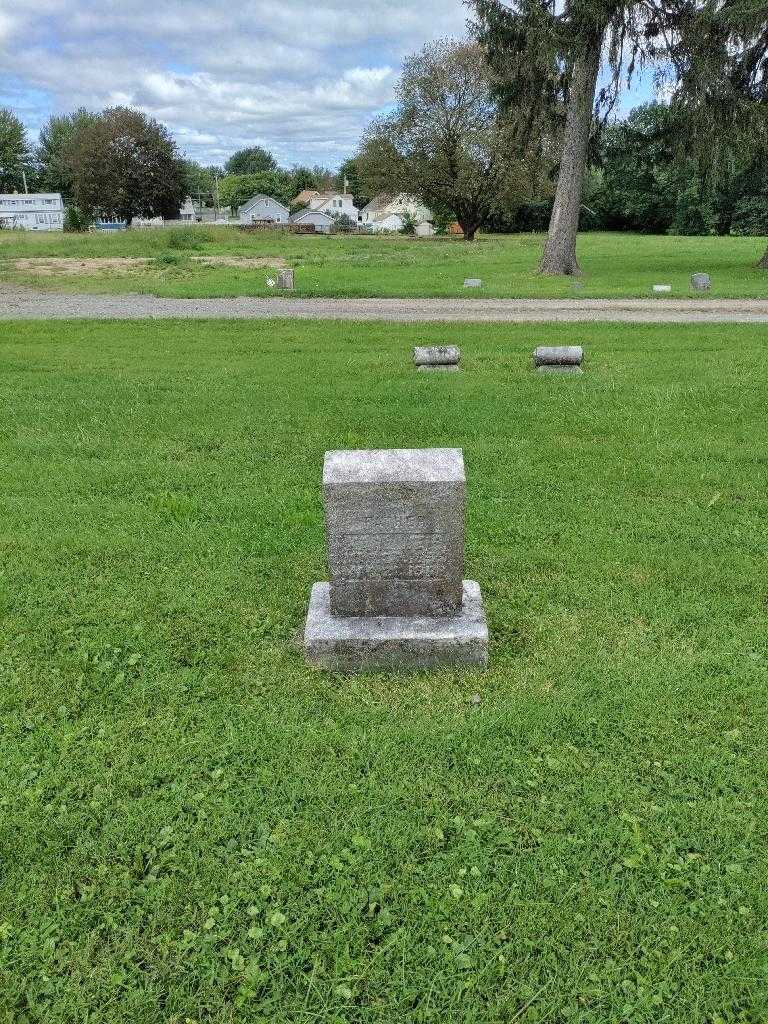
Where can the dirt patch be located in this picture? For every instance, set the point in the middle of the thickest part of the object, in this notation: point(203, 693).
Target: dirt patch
point(48, 266)
point(241, 261)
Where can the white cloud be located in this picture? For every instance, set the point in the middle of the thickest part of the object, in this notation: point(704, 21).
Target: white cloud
point(301, 78)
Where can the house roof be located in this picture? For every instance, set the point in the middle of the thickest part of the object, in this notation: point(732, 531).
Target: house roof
point(300, 214)
point(304, 196)
point(259, 196)
point(379, 203)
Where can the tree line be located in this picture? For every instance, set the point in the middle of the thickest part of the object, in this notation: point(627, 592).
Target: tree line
point(120, 163)
point(510, 128)
point(516, 124)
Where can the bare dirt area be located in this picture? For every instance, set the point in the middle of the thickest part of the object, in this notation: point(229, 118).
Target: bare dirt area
point(50, 266)
point(244, 262)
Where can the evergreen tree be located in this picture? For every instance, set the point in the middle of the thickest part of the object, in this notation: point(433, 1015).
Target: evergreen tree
point(548, 55)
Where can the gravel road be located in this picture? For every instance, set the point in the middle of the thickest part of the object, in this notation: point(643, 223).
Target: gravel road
point(18, 303)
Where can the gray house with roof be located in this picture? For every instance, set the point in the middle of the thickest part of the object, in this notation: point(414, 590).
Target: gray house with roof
point(263, 208)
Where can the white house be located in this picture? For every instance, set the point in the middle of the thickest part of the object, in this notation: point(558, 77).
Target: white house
point(263, 208)
point(322, 221)
point(386, 213)
point(333, 203)
point(32, 211)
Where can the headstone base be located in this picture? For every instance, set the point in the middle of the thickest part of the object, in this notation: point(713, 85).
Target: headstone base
point(559, 368)
point(395, 643)
point(450, 367)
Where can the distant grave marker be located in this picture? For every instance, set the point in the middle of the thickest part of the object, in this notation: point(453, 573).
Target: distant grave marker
point(436, 357)
point(558, 358)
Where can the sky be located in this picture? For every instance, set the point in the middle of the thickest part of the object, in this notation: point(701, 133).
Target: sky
point(300, 77)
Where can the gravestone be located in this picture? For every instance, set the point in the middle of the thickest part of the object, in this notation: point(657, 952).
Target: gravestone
point(285, 279)
point(473, 282)
point(701, 282)
point(436, 357)
point(558, 358)
point(396, 597)
point(662, 288)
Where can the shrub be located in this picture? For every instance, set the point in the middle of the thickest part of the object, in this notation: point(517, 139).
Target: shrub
point(75, 220)
point(186, 238)
point(410, 223)
point(343, 222)
point(169, 259)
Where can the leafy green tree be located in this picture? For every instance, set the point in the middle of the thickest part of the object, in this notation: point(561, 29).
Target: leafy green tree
point(349, 172)
point(200, 182)
point(252, 160)
point(446, 141)
point(301, 178)
point(236, 189)
point(644, 169)
point(14, 152)
point(55, 174)
point(125, 164)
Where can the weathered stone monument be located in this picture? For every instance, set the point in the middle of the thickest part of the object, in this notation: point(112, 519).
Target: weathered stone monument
point(436, 357)
point(701, 282)
point(473, 282)
point(558, 358)
point(285, 280)
point(661, 288)
point(396, 597)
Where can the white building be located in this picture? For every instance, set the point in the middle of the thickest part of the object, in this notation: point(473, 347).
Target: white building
point(335, 204)
point(323, 222)
point(32, 211)
point(263, 208)
point(387, 213)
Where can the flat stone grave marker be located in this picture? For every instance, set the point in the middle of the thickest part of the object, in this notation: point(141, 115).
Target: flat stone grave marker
point(662, 288)
point(558, 358)
point(436, 357)
point(396, 598)
point(473, 282)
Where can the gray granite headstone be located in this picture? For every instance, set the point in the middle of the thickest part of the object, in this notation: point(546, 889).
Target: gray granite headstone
point(701, 282)
point(558, 355)
point(436, 357)
point(558, 358)
point(396, 597)
point(285, 279)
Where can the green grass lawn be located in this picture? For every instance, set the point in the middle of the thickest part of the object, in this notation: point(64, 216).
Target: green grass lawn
point(196, 829)
point(614, 264)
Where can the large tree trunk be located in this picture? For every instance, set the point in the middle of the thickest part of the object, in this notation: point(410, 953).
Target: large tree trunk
point(560, 249)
